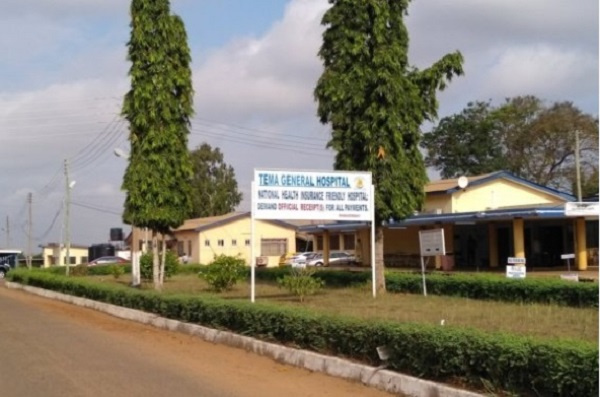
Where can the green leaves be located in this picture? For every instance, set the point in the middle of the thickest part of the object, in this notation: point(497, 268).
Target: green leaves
point(224, 272)
point(214, 187)
point(158, 108)
point(373, 99)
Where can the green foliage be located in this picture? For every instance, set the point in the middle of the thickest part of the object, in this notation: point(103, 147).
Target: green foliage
point(116, 271)
point(375, 101)
point(224, 272)
point(158, 108)
point(214, 187)
point(171, 265)
point(79, 270)
point(300, 282)
point(523, 135)
point(508, 363)
point(483, 287)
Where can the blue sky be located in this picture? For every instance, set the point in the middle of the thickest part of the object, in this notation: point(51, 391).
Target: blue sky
point(63, 73)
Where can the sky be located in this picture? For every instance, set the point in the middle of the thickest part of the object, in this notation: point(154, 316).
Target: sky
point(63, 74)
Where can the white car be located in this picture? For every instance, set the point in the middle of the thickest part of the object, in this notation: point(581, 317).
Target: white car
point(335, 258)
point(301, 259)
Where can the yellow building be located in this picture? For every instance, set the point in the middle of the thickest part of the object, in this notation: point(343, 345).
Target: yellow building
point(486, 219)
point(56, 255)
point(202, 239)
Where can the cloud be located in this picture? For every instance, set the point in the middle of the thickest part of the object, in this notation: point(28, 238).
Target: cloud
point(271, 77)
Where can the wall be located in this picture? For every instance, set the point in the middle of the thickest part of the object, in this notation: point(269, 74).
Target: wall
point(239, 230)
point(51, 255)
point(499, 193)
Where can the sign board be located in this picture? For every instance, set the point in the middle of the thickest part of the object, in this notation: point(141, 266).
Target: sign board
point(516, 261)
point(582, 209)
point(332, 195)
point(432, 242)
point(567, 256)
point(570, 277)
point(518, 271)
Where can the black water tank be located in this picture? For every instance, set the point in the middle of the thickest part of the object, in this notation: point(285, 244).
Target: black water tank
point(116, 234)
point(98, 250)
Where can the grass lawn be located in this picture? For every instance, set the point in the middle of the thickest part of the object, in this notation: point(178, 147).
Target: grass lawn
point(537, 320)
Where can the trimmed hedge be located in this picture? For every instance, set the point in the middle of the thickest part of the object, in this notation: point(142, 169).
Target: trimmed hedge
point(507, 362)
point(480, 286)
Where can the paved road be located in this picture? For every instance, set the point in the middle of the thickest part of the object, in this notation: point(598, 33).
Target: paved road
point(53, 349)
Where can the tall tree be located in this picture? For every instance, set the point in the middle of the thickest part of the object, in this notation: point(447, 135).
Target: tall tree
point(214, 187)
point(523, 136)
point(375, 102)
point(461, 143)
point(158, 108)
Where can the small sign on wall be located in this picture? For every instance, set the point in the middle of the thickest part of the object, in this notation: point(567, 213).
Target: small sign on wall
point(517, 271)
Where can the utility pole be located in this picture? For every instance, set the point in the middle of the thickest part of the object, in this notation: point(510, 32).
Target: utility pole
point(577, 166)
point(29, 231)
point(7, 232)
point(67, 222)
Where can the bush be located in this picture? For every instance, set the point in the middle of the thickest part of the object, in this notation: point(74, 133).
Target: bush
point(301, 282)
point(117, 271)
point(224, 272)
point(171, 265)
point(520, 365)
point(79, 270)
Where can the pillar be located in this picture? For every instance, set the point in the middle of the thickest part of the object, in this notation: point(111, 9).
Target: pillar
point(326, 249)
point(438, 258)
point(493, 244)
point(519, 237)
point(580, 244)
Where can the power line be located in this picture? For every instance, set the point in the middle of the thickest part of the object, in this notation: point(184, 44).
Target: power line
point(96, 208)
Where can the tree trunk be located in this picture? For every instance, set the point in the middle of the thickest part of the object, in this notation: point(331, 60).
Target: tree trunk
point(155, 262)
point(379, 265)
point(163, 261)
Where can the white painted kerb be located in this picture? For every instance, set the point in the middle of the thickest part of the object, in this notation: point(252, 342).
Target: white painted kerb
point(382, 379)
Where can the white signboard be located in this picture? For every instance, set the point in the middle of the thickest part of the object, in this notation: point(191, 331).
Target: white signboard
point(516, 261)
point(333, 195)
point(567, 256)
point(432, 242)
point(582, 209)
point(518, 271)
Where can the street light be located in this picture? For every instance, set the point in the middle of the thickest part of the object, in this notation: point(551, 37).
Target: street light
point(135, 256)
point(70, 186)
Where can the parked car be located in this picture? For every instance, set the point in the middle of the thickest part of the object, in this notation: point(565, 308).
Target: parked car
point(108, 260)
point(286, 259)
point(302, 258)
point(4, 268)
point(335, 258)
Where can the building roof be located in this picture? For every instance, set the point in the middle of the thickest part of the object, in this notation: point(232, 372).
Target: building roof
point(449, 186)
point(56, 245)
point(201, 224)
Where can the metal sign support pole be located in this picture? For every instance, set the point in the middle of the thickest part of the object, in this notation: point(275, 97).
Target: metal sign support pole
point(423, 276)
point(373, 240)
point(252, 253)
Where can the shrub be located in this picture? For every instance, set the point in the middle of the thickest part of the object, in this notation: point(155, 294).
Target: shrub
point(301, 282)
point(117, 271)
point(79, 270)
point(224, 272)
point(171, 265)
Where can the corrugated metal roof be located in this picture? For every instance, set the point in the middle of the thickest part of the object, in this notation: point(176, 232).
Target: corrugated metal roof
point(443, 185)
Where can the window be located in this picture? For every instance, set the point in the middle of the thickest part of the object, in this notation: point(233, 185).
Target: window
point(234, 243)
point(319, 243)
point(334, 242)
point(273, 247)
point(247, 242)
point(349, 242)
point(84, 259)
point(180, 248)
point(189, 251)
point(221, 243)
point(207, 243)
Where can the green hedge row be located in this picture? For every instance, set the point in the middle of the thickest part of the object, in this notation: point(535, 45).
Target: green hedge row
point(484, 286)
point(506, 362)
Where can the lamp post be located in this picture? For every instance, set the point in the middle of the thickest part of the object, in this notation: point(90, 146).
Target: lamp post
point(135, 255)
point(68, 186)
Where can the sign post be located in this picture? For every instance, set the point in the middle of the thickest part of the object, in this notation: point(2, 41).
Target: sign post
point(516, 267)
point(431, 243)
point(322, 195)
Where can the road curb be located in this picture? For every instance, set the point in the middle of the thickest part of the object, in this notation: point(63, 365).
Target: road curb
point(379, 378)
